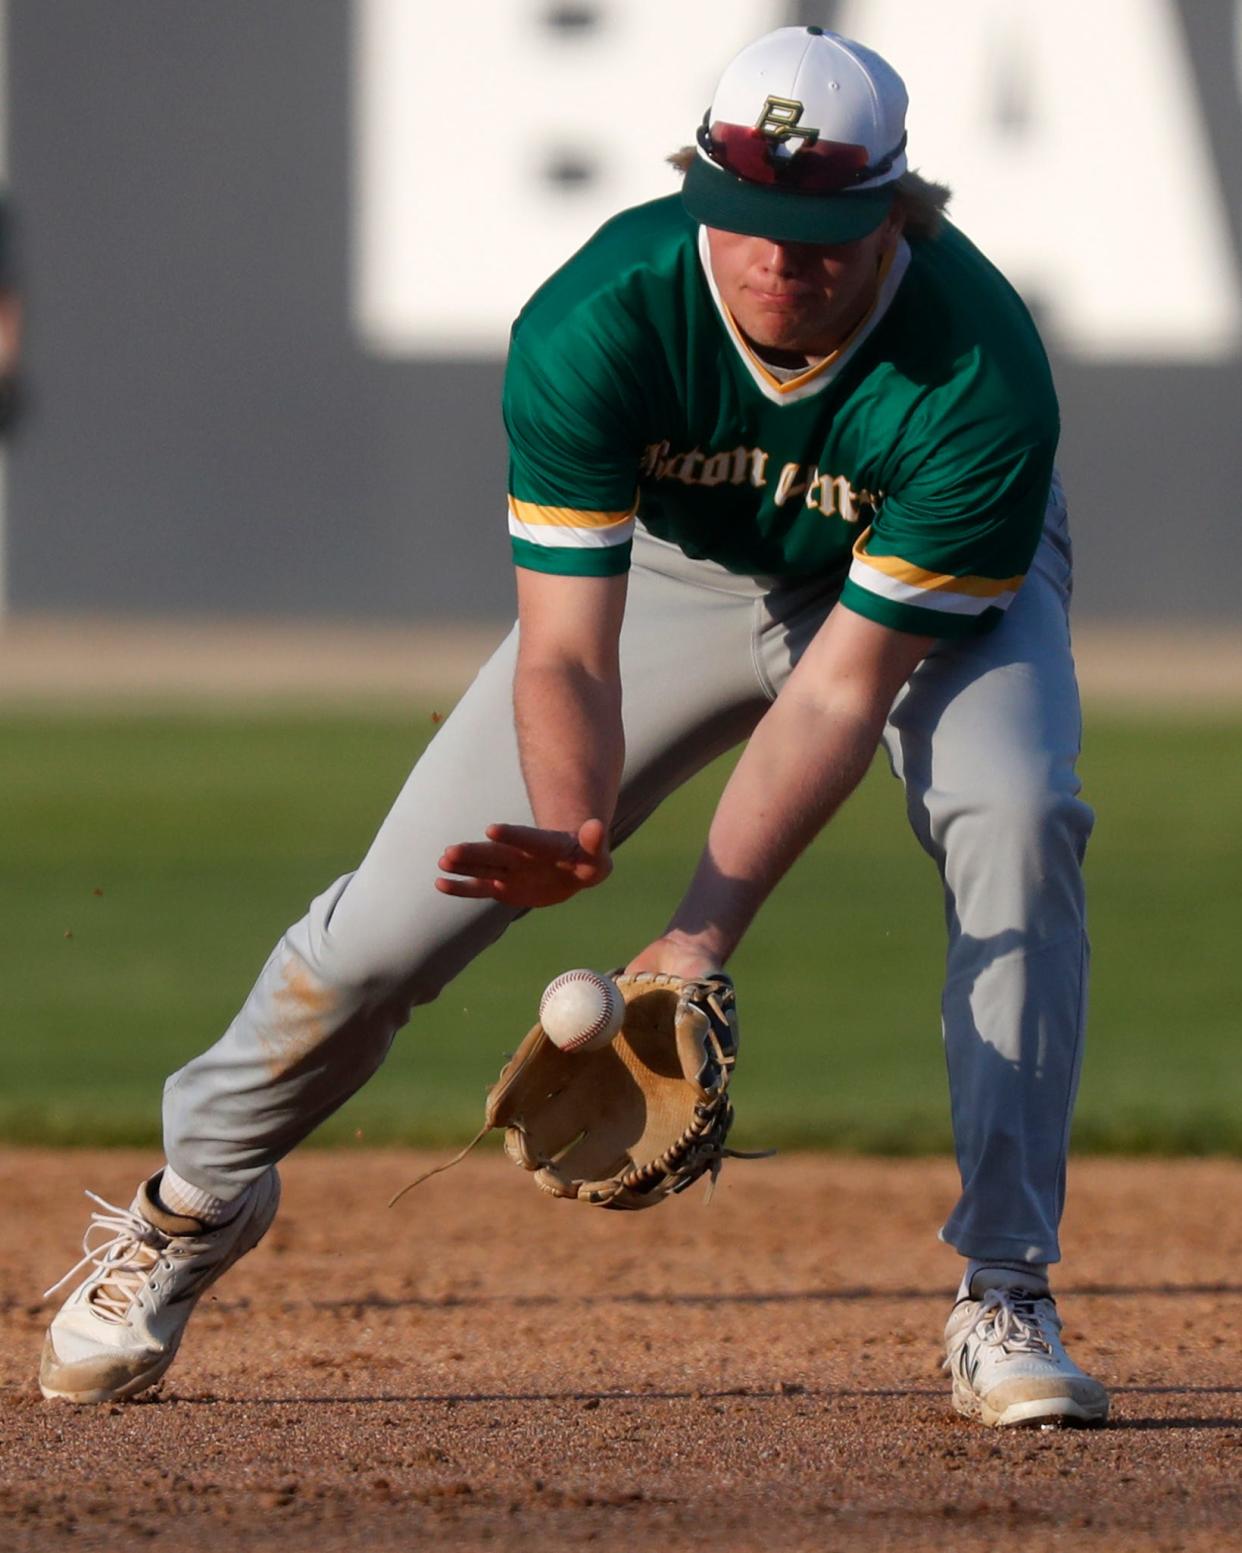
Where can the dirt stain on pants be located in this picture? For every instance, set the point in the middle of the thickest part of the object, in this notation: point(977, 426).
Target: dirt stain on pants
point(303, 1009)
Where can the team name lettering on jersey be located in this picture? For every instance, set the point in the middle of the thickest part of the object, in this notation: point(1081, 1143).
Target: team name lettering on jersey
point(833, 495)
point(739, 466)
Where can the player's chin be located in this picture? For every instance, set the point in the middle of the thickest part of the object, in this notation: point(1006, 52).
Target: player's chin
point(780, 328)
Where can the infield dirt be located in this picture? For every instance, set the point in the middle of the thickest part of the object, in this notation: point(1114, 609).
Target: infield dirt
point(483, 1364)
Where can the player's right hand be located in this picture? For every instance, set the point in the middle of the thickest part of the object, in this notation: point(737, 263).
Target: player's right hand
point(524, 866)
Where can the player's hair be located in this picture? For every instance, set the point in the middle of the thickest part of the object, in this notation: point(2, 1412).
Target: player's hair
point(919, 202)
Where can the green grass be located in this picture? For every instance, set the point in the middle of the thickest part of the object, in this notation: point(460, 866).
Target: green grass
point(148, 863)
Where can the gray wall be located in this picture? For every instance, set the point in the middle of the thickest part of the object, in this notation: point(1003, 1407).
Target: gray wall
point(204, 433)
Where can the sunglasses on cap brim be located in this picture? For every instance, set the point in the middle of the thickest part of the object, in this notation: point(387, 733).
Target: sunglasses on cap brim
point(817, 167)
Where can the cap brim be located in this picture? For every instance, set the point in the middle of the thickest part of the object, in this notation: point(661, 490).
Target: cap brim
point(717, 198)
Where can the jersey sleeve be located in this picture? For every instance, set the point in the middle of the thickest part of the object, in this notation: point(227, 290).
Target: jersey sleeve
point(949, 549)
point(573, 468)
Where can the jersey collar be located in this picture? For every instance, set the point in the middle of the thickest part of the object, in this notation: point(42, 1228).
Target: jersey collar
point(815, 379)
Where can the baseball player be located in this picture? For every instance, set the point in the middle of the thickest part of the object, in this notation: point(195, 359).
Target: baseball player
point(781, 472)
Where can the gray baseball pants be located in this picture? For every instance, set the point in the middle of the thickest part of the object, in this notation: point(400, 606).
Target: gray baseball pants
point(984, 737)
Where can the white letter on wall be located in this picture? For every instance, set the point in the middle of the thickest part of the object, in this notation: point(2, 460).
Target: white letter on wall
point(465, 116)
point(1073, 140)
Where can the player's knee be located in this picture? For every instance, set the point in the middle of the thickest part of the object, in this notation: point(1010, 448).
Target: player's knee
point(1012, 866)
point(1048, 820)
point(392, 985)
point(395, 981)
point(1017, 819)
point(355, 973)
point(1043, 823)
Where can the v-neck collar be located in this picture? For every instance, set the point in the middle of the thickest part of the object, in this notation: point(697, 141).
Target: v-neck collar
point(818, 376)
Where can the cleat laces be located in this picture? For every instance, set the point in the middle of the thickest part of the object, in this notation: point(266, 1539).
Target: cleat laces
point(1009, 1322)
point(122, 1261)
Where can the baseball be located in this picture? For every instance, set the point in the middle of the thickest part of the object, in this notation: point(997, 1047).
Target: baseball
point(581, 1010)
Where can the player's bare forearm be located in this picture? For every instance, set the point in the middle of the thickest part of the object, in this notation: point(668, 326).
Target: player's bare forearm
point(806, 756)
point(804, 760)
point(567, 709)
point(570, 741)
point(567, 696)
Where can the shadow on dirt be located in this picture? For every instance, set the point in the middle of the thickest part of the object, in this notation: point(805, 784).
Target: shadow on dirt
point(375, 1301)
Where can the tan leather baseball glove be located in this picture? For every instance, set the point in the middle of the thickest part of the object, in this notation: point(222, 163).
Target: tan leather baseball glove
point(629, 1124)
point(639, 1119)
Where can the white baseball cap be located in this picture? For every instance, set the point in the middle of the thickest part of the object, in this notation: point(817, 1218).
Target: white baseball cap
point(803, 142)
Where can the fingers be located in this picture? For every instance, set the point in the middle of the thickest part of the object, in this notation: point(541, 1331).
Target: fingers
point(473, 889)
point(520, 893)
point(481, 858)
point(524, 865)
point(497, 860)
point(534, 842)
point(593, 838)
point(511, 847)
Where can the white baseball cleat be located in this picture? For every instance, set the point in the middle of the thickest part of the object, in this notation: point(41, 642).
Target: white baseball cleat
point(1008, 1363)
point(120, 1329)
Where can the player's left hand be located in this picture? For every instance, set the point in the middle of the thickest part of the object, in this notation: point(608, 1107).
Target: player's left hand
point(524, 866)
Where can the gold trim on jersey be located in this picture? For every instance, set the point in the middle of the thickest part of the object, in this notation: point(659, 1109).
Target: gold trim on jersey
point(889, 577)
point(932, 582)
point(937, 582)
point(534, 515)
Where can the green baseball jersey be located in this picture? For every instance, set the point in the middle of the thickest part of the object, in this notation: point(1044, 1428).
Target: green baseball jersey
point(915, 463)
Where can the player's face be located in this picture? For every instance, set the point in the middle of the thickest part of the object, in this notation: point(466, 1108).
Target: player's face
point(799, 299)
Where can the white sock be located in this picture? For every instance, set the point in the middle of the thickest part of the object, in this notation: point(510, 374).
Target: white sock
point(187, 1201)
point(1023, 1274)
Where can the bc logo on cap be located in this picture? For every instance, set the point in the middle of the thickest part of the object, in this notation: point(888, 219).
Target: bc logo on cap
point(779, 121)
